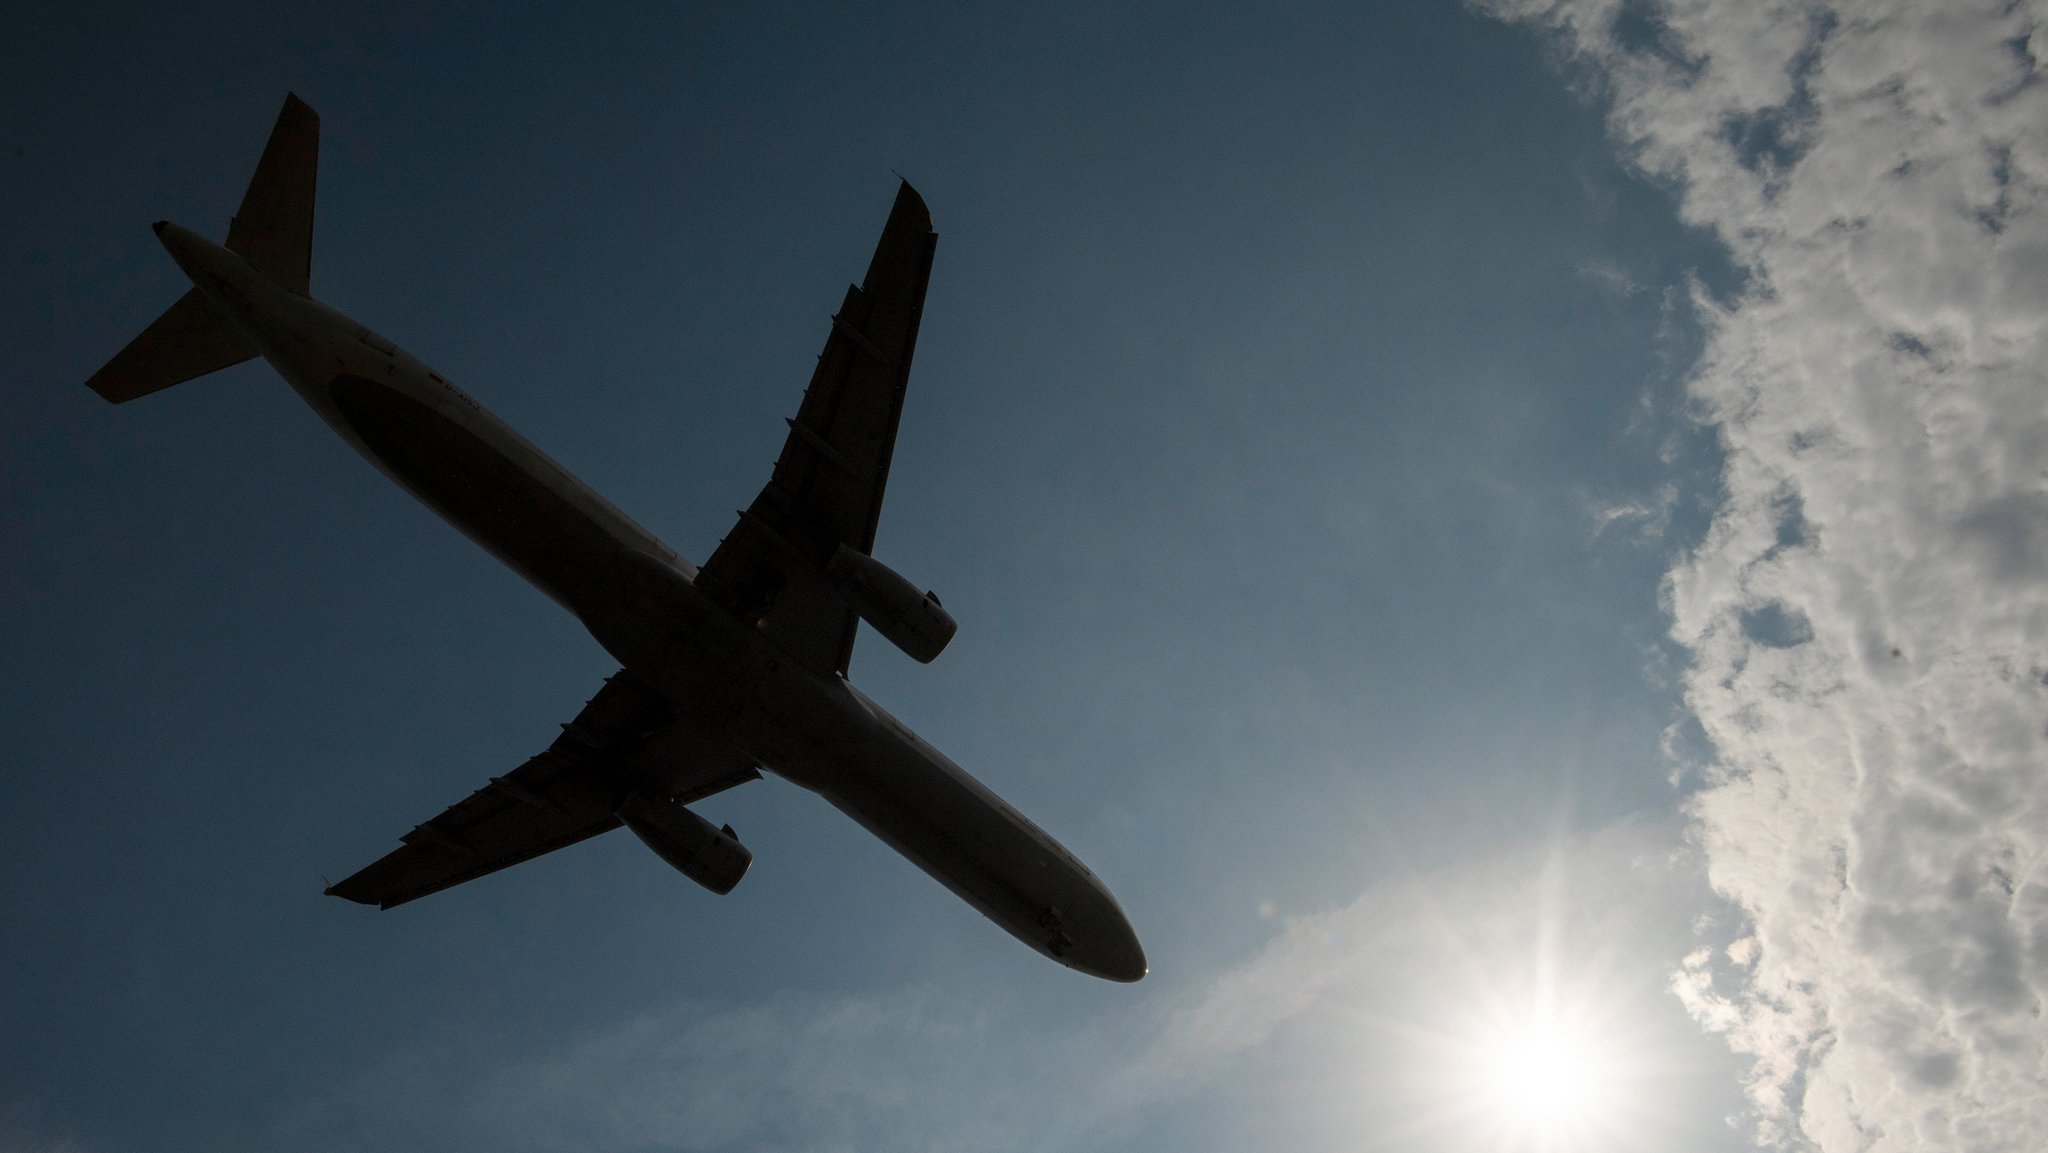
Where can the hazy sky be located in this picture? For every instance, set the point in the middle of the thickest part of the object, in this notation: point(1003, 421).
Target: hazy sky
point(1487, 526)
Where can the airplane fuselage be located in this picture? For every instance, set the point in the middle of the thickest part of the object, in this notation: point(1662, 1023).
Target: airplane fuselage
point(641, 601)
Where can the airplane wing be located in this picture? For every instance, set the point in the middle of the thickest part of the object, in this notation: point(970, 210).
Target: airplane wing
point(625, 737)
point(828, 482)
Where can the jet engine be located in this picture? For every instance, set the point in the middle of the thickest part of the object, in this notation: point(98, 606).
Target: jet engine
point(912, 621)
point(712, 857)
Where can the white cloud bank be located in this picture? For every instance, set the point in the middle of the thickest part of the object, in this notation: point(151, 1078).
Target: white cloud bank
point(1869, 611)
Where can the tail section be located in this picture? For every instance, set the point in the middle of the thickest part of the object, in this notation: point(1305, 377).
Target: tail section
point(273, 232)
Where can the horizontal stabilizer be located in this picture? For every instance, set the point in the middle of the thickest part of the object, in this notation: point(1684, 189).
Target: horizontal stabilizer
point(190, 339)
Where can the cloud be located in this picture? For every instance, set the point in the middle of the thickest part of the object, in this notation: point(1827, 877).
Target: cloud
point(1645, 520)
point(24, 1130)
point(1399, 978)
point(1390, 1007)
point(879, 1070)
point(1611, 276)
point(1881, 392)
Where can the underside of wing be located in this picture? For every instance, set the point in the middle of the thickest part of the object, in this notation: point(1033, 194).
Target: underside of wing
point(624, 740)
point(828, 483)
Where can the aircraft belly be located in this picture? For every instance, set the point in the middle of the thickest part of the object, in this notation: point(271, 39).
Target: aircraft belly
point(971, 841)
point(534, 528)
point(445, 448)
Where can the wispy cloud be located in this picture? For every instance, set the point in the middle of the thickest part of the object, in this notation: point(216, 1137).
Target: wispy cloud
point(1646, 520)
point(23, 1130)
point(876, 1070)
point(1612, 276)
point(1398, 978)
point(1881, 390)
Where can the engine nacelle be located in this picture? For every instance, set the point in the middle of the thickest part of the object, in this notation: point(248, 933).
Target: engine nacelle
point(912, 621)
point(712, 857)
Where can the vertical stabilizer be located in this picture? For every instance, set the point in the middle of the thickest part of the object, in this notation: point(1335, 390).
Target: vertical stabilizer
point(273, 230)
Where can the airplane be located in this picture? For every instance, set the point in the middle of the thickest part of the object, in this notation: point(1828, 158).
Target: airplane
point(728, 668)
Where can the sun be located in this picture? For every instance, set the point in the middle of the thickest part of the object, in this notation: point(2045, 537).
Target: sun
point(1526, 1031)
point(1544, 1078)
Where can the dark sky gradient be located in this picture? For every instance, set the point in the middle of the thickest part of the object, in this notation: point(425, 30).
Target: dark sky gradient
point(1275, 374)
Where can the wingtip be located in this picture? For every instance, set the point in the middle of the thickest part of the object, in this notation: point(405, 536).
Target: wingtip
point(294, 105)
point(910, 202)
point(340, 889)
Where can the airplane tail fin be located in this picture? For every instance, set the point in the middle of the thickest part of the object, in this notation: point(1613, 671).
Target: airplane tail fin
point(273, 231)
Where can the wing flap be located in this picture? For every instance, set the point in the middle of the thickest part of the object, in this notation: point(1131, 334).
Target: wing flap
point(491, 829)
point(828, 483)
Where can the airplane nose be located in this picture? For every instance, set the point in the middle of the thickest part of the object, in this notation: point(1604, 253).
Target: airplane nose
point(1121, 962)
point(1127, 963)
point(1112, 951)
point(158, 227)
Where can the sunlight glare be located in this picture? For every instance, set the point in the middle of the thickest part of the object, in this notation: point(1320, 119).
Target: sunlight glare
point(1544, 1077)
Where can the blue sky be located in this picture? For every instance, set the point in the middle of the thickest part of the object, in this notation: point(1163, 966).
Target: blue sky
point(1352, 438)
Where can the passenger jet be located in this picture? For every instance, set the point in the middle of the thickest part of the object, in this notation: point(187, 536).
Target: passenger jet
point(729, 667)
